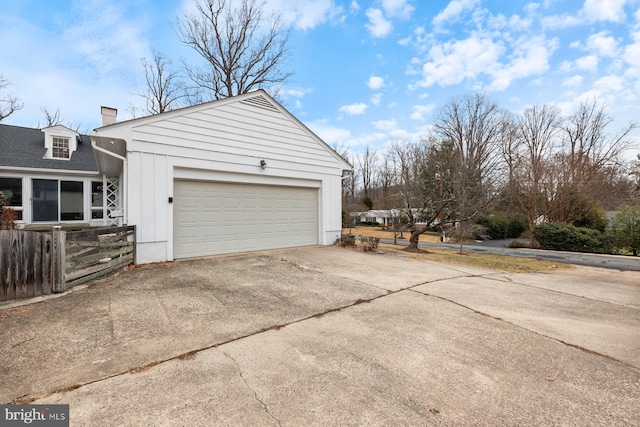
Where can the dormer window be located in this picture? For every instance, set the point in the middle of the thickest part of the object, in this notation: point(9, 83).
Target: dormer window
point(60, 142)
point(60, 148)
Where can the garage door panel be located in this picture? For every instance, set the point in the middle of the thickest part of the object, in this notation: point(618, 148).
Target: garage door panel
point(215, 218)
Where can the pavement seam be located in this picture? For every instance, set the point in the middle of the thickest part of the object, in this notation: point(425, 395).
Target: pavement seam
point(562, 293)
point(191, 353)
point(568, 344)
point(255, 394)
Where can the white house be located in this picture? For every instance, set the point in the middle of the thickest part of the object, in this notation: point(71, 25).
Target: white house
point(238, 174)
point(49, 176)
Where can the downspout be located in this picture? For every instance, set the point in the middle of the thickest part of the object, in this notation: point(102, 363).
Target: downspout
point(125, 174)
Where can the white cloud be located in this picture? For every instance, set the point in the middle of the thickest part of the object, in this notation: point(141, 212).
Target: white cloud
point(609, 84)
point(397, 8)
point(419, 111)
point(530, 58)
point(305, 14)
point(453, 11)
point(452, 62)
point(378, 26)
point(385, 124)
point(92, 35)
point(355, 7)
point(375, 99)
point(329, 134)
point(297, 92)
point(573, 81)
point(587, 63)
point(375, 82)
point(603, 44)
point(603, 10)
point(632, 54)
point(560, 21)
point(591, 11)
point(354, 109)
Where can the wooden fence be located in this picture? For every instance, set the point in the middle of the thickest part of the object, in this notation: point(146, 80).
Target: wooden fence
point(96, 252)
point(35, 263)
point(25, 264)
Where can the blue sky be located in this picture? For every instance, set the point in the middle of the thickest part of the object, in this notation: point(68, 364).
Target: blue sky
point(365, 72)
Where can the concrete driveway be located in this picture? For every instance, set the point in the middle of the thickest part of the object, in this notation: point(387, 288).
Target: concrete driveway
point(325, 336)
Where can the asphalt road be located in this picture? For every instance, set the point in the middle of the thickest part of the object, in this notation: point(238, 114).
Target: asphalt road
point(617, 262)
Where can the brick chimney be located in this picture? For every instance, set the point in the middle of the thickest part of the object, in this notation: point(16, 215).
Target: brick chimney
point(108, 115)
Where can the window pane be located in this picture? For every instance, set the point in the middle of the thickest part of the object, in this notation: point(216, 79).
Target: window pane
point(12, 190)
point(45, 200)
point(71, 201)
point(96, 214)
point(60, 148)
point(96, 194)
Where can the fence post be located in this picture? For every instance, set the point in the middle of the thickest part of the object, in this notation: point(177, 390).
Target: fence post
point(58, 260)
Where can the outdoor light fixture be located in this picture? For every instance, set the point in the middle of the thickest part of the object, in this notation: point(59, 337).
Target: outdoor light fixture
point(263, 164)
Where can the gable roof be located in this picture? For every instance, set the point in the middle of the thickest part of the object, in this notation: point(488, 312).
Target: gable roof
point(259, 98)
point(22, 147)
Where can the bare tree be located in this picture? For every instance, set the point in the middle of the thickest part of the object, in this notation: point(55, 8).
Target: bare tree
point(590, 159)
point(8, 103)
point(350, 187)
point(164, 89)
point(386, 179)
point(50, 119)
point(539, 127)
point(471, 127)
point(635, 173)
point(415, 190)
point(242, 51)
point(511, 151)
point(367, 166)
point(54, 119)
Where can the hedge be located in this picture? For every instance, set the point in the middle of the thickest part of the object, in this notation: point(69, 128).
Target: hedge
point(566, 237)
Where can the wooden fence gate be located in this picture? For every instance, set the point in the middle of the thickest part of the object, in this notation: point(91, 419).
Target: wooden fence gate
point(25, 264)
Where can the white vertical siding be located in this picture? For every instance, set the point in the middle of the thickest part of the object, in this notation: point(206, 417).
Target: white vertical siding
point(222, 141)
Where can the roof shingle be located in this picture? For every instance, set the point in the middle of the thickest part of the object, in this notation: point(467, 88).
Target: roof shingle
point(24, 147)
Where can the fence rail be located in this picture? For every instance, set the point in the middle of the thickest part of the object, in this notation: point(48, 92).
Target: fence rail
point(93, 253)
point(36, 263)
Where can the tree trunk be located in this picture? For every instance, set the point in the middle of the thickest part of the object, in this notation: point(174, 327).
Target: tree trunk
point(413, 240)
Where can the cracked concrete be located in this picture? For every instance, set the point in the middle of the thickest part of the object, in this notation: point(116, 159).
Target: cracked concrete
point(255, 394)
point(319, 336)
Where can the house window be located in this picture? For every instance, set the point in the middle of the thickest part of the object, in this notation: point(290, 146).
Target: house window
point(55, 201)
point(45, 200)
point(11, 189)
point(71, 201)
point(60, 148)
point(97, 196)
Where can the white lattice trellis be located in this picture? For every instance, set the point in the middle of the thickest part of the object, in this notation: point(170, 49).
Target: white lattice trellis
point(114, 208)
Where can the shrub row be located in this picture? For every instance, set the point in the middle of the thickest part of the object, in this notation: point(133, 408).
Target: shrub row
point(503, 227)
point(566, 237)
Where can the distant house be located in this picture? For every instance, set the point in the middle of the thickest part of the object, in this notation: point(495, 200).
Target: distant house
point(238, 174)
point(50, 176)
point(381, 216)
point(385, 216)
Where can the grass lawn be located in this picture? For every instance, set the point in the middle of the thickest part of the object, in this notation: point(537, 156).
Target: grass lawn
point(378, 232)
point(495, 262)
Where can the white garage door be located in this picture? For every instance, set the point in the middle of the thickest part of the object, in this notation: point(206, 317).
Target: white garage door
point(217, 218)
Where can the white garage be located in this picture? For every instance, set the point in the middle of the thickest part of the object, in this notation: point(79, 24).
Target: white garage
point(216, 218)
point(232, 175)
